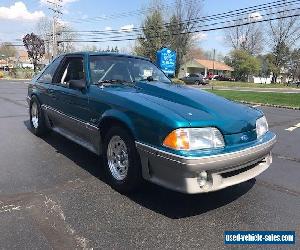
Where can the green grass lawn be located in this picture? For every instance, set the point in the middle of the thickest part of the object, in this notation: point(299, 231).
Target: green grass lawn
point(247, 85)
point(282, 99)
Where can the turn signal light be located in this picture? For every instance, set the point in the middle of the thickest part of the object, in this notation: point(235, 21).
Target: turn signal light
point(178, 139)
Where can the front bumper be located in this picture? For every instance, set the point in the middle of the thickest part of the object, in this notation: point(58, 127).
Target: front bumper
point(182, 173)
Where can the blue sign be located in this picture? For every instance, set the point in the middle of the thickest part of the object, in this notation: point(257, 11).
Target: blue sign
point(166, 61)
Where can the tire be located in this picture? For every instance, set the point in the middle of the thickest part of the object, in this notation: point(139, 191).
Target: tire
point(197, 82)
point(120, 151)
point(37, 118)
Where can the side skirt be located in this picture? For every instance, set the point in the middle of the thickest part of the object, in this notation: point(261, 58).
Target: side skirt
point(78, 131)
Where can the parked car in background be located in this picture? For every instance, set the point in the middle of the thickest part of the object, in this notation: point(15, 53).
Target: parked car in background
point(210, 76)
point(224, 78)
point(144, 126)
point(295, 84)
point(195, 79)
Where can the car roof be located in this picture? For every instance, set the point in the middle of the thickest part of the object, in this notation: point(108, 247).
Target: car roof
point(92, 53)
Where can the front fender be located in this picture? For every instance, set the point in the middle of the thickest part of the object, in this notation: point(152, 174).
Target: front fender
point(121, 117)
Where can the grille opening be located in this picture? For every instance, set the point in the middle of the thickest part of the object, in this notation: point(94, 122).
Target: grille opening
point(239, 171)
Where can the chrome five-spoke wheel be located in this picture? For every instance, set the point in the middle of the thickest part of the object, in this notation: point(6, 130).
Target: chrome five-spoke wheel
point(117, 157)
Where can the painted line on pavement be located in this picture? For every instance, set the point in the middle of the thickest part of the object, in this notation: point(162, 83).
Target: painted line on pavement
point(293, 127)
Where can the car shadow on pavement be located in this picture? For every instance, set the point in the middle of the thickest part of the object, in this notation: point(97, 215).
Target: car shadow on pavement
point(169, 203)
point(76, 153)
point(177, 205)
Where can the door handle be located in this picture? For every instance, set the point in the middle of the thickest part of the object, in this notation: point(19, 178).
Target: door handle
point(51, 93)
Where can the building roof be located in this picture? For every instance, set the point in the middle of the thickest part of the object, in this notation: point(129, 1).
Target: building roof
point(22, 56)
point(210, 64)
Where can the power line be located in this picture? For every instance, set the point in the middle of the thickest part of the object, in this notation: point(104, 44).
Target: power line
point(196, 31)
point(226, 15)
point(113, 38)
point(237, 12)
point(120, 35)
point(127, 14)
point(204, 25)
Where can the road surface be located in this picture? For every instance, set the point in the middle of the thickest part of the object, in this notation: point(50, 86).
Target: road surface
point(53, 194)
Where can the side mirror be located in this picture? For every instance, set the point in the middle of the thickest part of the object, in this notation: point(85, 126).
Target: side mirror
point(77, 84)
point(150, 79)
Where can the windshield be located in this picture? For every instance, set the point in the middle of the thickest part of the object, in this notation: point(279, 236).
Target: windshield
point(118, 68)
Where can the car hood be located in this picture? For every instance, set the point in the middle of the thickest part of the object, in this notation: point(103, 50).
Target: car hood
point(198, 107)
point(201, 108)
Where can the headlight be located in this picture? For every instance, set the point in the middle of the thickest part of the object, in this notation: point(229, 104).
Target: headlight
point(194, 138)
point(261, 126)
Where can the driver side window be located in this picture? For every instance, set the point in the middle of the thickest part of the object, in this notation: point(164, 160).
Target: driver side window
point(72, 69)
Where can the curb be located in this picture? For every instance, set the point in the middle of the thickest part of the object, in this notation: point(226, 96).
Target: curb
point(16, 79)
point(269, 105)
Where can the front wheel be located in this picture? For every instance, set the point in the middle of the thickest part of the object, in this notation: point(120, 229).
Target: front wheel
point(121, 161)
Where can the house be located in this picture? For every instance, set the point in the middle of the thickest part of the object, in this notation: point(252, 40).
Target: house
point(205, 67)
point(22, 60)
point(3, 63)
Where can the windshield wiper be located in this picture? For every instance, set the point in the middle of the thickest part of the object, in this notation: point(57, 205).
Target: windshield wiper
point(110, 81)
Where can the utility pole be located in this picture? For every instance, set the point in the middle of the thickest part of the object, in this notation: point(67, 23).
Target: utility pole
point(55, 6)
point(214, 58)
point(214, 55)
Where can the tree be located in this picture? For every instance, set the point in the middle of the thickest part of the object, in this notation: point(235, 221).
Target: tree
point(66, 37)
point(90, 48)
point(194, 52)
point(283, 34)
point(294, 65)
point(180, 27)
point(266, 65)
point(175, 34)
point(245, 37)
point(153, 37)
point(244, 64)
point(210, 54)
point(44, 31)
point(35, 48)
point(7, 50)
point(279, 58)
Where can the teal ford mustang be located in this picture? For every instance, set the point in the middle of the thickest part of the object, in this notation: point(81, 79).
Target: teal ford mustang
point(146, 127)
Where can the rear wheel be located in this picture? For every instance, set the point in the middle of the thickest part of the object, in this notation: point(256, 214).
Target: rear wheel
point(121, 161)
point(37, 119)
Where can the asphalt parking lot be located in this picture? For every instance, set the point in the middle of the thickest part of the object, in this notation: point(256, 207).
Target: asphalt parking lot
point(53, 194)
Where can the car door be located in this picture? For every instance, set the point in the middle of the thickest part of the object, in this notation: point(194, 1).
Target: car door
point(44, 83)
point(70, 112)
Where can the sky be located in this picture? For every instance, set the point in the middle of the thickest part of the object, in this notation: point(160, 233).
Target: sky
point(20, 17)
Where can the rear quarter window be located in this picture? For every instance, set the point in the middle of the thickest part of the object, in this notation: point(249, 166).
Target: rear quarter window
point(48, 73)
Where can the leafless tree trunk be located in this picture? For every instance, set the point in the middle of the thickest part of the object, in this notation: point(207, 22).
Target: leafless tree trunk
point(66, 36)
point(182, 23)
point(283, 34)
point(245, 37)
point(44, 30)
